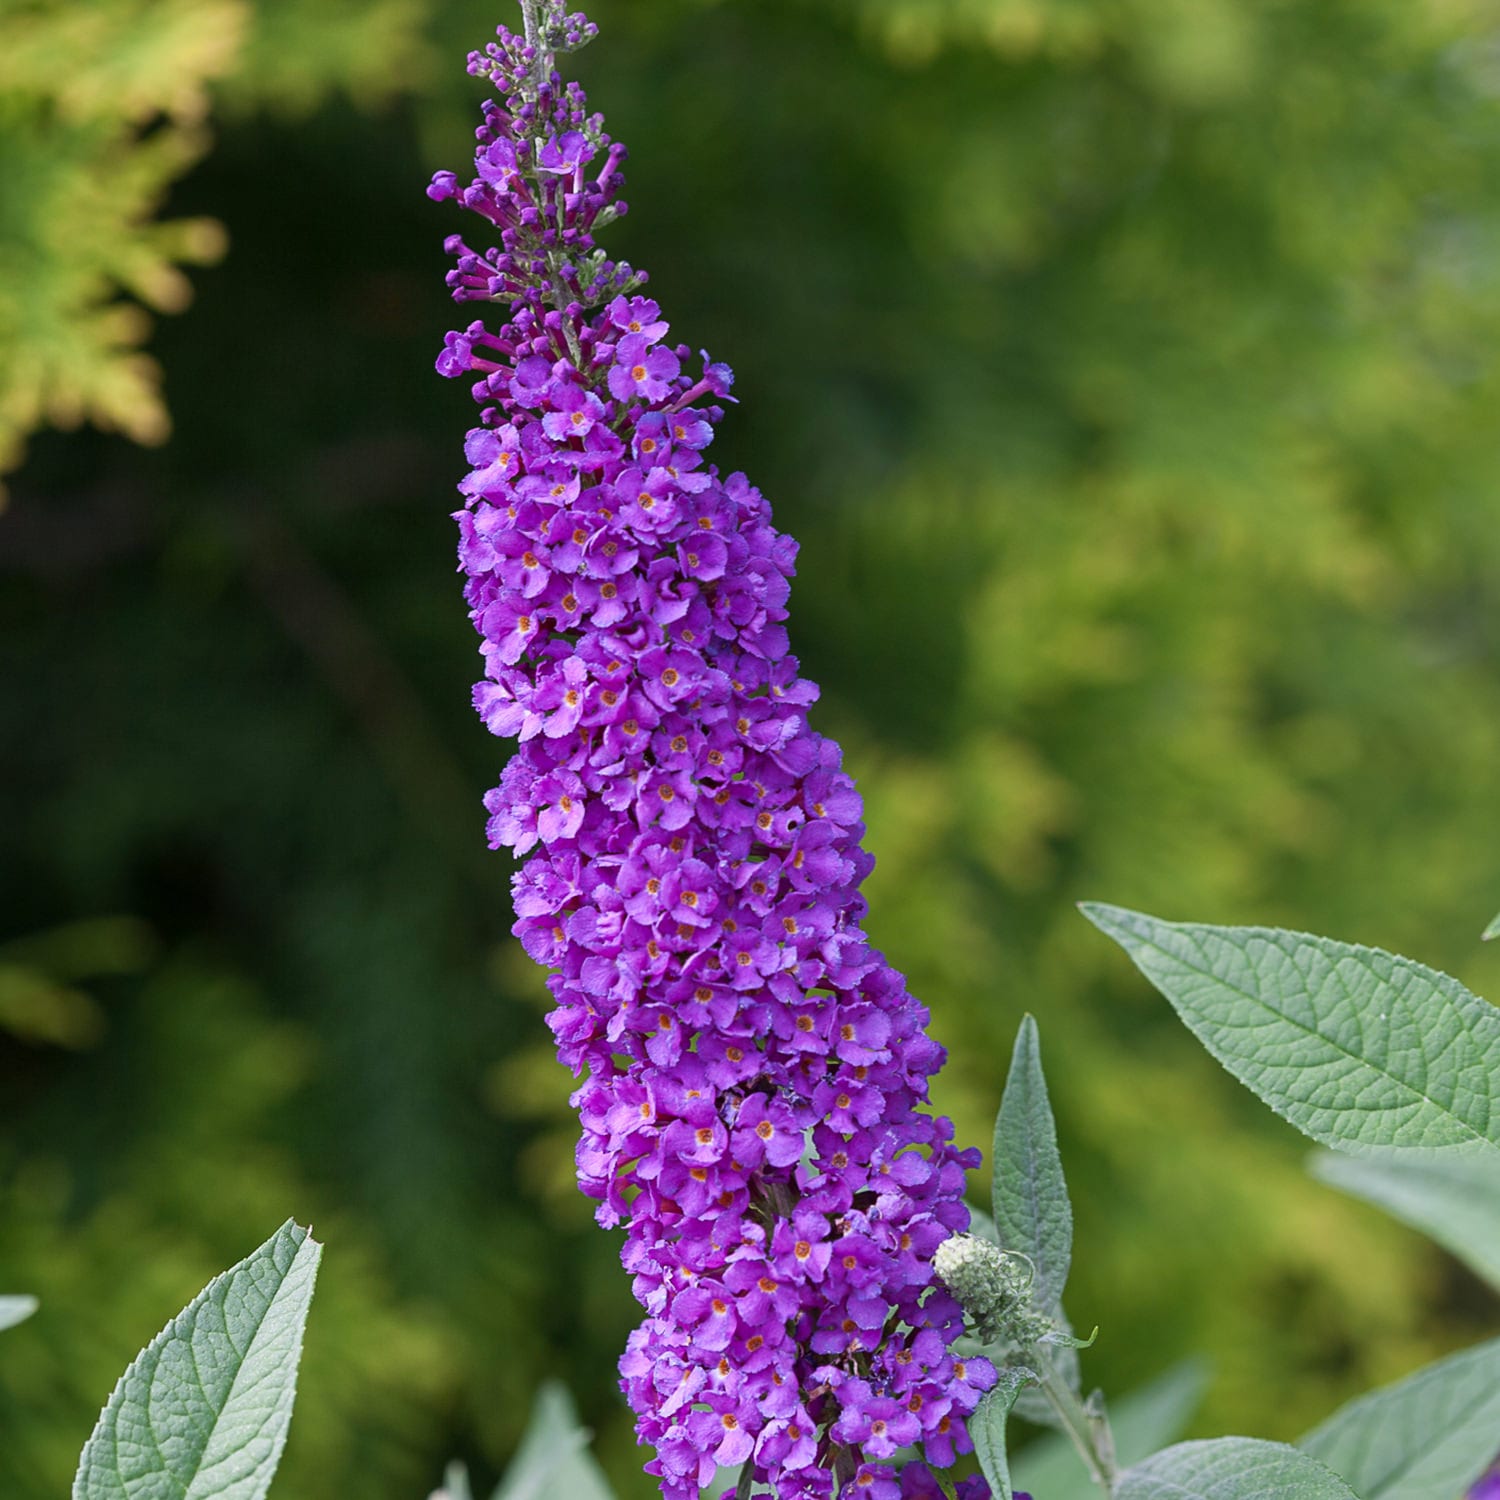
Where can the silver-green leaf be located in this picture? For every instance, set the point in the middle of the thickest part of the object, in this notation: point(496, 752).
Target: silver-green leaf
point(1455, 1201)
point(987, 1428)
point(1142, 1422)
point(15, 1310)
point(204, 1409)
point(554, 1457)
point(455, 1483)
point(1232, 1468)
point(1031, 1208)
point(981, 1224)
point(1426, 1438)
point(1492, 931)
point(1359, 1049)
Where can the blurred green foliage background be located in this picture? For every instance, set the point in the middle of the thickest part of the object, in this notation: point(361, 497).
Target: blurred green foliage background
point(1128, 370)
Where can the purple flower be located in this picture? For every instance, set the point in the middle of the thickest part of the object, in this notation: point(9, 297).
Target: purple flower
point(1488, 1488)
point(638, 315)
point(567, 153)
point(919, 1483)
point(754, 1074)
point(573, 415)
point(640, 371)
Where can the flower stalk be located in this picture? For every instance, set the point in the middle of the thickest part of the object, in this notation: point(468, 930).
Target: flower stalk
point(1085, 1422)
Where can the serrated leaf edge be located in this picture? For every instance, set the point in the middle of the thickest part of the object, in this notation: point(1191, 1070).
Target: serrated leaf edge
point(172, 1328)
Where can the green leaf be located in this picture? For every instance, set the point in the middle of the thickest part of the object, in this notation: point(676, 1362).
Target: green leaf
point(204, 1409)
point(1359, 1049)
point(1428, 1437)
point(1031, 1405)
point(1492, 931)
point(1453, 1201)
point(1061, 1339)
point(981, 1224)
point(455, 1483)
point(1032, 1212)
point(553, 1458)
point(987, 1428)
point(1232, 1468)
point(1142, 1422)
point(15, 1310)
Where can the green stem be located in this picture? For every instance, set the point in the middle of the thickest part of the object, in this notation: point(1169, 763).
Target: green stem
point(1088, 1430)
point(530, 26)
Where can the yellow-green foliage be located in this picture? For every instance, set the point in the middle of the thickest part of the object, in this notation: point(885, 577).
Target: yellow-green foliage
point(103, 106)
point(1216, 542)
point(43, 978)
point(78, 84)
point(201, 1177)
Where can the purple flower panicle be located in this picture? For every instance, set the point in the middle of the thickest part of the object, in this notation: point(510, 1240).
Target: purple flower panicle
point(754, 1072)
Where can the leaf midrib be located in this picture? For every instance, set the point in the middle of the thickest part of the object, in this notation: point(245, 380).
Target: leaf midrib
point(234, 1384)
point(1030, 1194)
point(1327, 1041)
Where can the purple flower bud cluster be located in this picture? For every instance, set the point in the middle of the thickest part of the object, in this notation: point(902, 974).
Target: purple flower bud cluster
point(754, 1072)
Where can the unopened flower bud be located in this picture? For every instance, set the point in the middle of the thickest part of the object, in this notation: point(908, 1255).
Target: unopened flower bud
point(974, 1270)
point(991, 1285)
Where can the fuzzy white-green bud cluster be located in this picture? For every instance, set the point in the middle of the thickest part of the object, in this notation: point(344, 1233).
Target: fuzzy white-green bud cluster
point(973, 1270)
point(991, 1286)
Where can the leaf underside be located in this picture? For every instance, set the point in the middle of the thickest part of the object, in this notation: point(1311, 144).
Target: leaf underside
point(1426, 1438)
point(204, 1409)
point(1454, 1202)
point(1232, 1468)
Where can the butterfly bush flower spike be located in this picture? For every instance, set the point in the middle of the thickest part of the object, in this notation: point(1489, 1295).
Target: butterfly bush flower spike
point(754, 1074)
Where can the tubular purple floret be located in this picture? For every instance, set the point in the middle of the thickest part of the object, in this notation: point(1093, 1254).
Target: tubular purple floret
point(754, 1074)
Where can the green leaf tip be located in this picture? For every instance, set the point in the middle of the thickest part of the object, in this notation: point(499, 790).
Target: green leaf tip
point(1493, 930)
point(1068, 1340)
point(202, 1413)
point(1360, 1049)
point(1032, 1213)
point(554, 1457)
point(455, 1483)
point(15, 1310)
